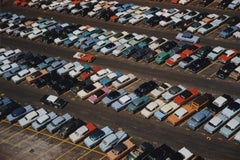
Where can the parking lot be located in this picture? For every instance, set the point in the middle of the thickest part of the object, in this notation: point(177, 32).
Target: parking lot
point(28, 143)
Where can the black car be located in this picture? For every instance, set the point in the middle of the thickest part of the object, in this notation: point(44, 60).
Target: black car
point(42, 81)
point(232, 21)
point(80, 85)
point(8, 108)
point(70, 127)
point(161, 152)
point(49, 36)
point(145, 88)
point(150, 56)
point(224, 71)
point(224, 3)
point(153, 21)
point(53, 101)
point(200, 16)
point(214, 106)
point(17, 57)
point(204, 3)
point(166, 47)
point(203, 52)
point(140, 53)
point(199, 64)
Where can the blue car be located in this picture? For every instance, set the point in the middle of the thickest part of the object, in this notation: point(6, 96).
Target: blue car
point(199, 118)
point(122, 102)
point(107, 81)
point(228, 31)
point(19, 113)
point(55, 65)
point(47, 62)
point(126, 18)
point(152, 10)
point(5, 101)
point(8, 75)
point(88, 44)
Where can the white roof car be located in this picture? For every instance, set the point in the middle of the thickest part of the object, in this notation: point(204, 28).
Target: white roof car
point(236, 60)
point(180, 112)
point(9, 53)
point(149, 110)
point(6, 67)
point(157, 92)
point(215, 121)
point(237, 136)
point(124, 80)
point(220, 101)
point(21, 75)
point(187, 154)
point(78, 134)
point(233, 123)
point(124, 99)
point(100, 74)
point(76, 71)
point(86, 92)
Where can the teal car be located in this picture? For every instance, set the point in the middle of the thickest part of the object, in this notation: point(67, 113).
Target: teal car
point(47, 62)
point(163, 56)
point(138, 104)
point(129, 51)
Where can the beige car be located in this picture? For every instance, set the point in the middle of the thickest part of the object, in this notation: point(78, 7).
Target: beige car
point(89, 90)
point(124, 80)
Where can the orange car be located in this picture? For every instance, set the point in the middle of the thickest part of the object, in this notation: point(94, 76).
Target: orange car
point(31, 21)
point(114, 18)
point(181, 114)
point(191, 49)
point(30, 79)
point(186, 96)
point(174, 1)
point(120, 150)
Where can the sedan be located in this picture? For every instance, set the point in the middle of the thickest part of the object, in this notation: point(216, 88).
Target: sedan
point(89, 90)
point(186, 96)
point(145, 88)
point(107, 81)
point(124, 80)
point(166, 110)
point(225, 70)
point(19, 113)
point(231, 127)
point(188, 37)
point(199, 118)
point(30, 117)
point(113, 96)
point(43, 120)
point(69, 127)
point(67, 68)
point(228, 31)
point(172, 92)
point(112, 140)
point(96, 136)
point(7, 67)
point(56, 123)
point(84, 57)
point(109, 47)
point(187, 61)
point(227, 55)
point(53, 101)
point(82, 132)
point(97, 96)
point(199, 64)
point(138, 104)
point(152, 107)
point(21, 75)
point(122, 102)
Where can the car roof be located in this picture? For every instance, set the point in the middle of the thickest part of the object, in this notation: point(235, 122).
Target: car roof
point(52, 98)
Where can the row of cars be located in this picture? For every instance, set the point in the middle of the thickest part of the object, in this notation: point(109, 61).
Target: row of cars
point(116, 144)
point(138, 46)
point(106, 86)
point(190, 20)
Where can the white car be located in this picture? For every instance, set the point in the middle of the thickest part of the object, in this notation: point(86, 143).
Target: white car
point(124, 80)
point(100, 74)
point(152, 107)
point(157, 92)
point(236, 60)
point(182, 13)
point(106, 35)
point(36, 33)
point(77, 70)
point(117, 52)
point(215, 53)
point(195, 26)
point(187, 154)
point(172, 92)
point(26, 32)
point(183, 2)
point(118, 36)
point(89, 90)
point(153, 46)
point(191, 15)
point(137, 18)
point(6, 67)
point(21, 75)
point(30, 117)
point(9, 53)
point(237, 136)
point(67, 68)
point(166, 110)
point(236, 34)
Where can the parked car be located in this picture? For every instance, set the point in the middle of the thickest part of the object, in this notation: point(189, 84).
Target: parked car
point(199, 64)
point(56, 123)
point(38, 74)
point(188, 37)
point(161, 152)
point(82, 132)
point(228, 31)
point(166, 110)
point(199, 118)
point(225, 70)
point(43, 120)
point(97, 136)
point(235, 74)
point(203, 52)
point(138, 104)
point(123, 101)
point(204, 3)
point(186, 96)
point(124, 80)
point(220, 102)
point(120, 150)
point(172, 92)
point(78, 70)
point(7, 67)
point(9, 74)
point(231, 127)
point(145, 88)
point(100, 74)
point(31, 117)
point(234, 4)
point(108, 79)
point(113, 96)
point(89, 90)
point(158, 91)
point(56, 65)
point(19, 113)
point(215, 52)
point(112, 139)
point(97, 96)
point(227, 55)
point(87, 73)
point(21, 75)
point(69, 127)
point(187, 61)
point(53, 101)
point(66, 68)
point(140, 151)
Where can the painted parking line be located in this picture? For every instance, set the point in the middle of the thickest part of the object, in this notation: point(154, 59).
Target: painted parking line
point(102, 157)
point(90, 150)
point(59, 157)
point(6, 129)
point(207, 67)
point(13, 135)
point(44, 153)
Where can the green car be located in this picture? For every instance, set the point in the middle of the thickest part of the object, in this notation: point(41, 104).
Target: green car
point(163, 56)
point(203, 52)
point(138, 104)
point(129, 51)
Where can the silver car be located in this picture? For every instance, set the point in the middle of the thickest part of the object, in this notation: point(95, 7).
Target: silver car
point(172, 92)
point(113, 96)
point(58, 122)
point(30, 117)
point(43, 120)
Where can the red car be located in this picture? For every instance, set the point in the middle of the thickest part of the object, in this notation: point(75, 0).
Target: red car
point(86, 74)
point(227, 55)
point(186, 96)
point(175, 59)
point(191, 49)
point(84, 57)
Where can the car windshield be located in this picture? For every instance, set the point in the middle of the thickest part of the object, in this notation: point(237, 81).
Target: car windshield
point(89, 88)
point(18, 111)
point(174, 90)
point(99, 93)
point(96, 134)
point(185, 94)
